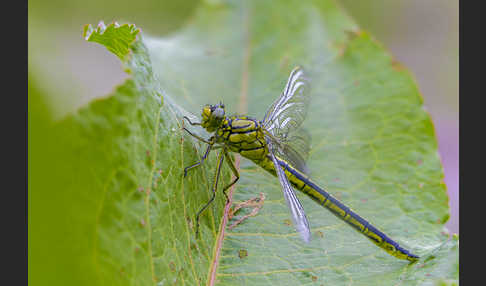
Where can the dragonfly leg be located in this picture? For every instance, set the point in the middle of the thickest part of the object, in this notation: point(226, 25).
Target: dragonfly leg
point(197, 137)
point(210, 146)
point(233, 169)
point(215, 186)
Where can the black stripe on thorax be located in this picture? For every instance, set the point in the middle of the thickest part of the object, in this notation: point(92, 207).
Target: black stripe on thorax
point(251, 149)
point(243, 132)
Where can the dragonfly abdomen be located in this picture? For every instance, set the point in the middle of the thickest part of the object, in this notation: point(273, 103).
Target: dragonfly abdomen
point(301, 182)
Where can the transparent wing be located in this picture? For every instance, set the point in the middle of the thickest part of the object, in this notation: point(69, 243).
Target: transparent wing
point(300, 141)
point(296, 210)
point(290, 109)
point(284, 117)
point(294, 149)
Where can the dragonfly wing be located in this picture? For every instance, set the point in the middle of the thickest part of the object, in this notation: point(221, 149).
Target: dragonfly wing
point(284, 117)
point(297, 211)
point(290, 109)
point(300, 140)
point(295, 149)
point(286, 151)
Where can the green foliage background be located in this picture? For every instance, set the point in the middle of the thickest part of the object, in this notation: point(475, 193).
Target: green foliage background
point(107, 203)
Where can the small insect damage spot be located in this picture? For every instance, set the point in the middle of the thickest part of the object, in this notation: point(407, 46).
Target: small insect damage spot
point(172, 266)
point(351, 35)
point(242, 253)
point(189, 222)
point(148, 158)
point(396, 65)
point(194, 246)
point(311, 276)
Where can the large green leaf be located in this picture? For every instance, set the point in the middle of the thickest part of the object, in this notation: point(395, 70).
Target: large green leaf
point(109, 205)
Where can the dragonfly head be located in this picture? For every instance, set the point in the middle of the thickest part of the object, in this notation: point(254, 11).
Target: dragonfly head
point(212, 117)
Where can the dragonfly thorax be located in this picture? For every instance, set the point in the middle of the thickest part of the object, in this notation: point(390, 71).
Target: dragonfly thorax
point(212, 117)
point(244, 135)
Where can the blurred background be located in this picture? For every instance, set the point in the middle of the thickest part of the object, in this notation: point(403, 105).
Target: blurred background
point(422, 35)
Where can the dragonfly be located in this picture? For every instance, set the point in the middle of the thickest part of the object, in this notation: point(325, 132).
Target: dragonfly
point(280, 146)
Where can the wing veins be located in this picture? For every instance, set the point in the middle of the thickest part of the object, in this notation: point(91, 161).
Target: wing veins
point(296, 210)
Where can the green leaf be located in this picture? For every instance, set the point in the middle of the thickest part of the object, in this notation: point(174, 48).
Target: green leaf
point(109, 204)
point(117, 39)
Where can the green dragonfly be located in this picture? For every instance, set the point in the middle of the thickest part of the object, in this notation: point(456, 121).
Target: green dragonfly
point(279, 146)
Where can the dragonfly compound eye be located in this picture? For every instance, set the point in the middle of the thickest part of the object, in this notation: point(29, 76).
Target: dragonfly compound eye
point(218, 113)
